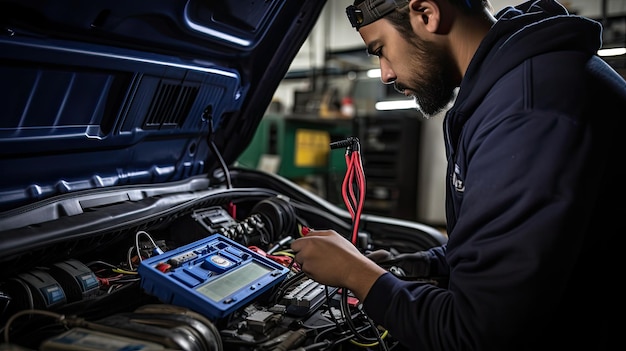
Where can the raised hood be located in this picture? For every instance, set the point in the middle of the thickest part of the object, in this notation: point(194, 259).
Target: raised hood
point(98, 94)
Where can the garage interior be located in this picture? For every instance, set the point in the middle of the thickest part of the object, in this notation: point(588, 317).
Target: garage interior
point(332, 90)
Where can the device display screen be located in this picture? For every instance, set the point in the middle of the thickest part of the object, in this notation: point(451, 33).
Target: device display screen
point(232, 282)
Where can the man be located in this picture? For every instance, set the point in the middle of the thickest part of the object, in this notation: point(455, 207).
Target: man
point(533, 203)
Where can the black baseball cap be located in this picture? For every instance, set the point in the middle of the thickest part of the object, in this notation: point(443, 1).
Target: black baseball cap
point(371, 10)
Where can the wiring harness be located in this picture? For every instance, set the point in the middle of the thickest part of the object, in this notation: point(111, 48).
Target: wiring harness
point(353, 192)
point(353, 187)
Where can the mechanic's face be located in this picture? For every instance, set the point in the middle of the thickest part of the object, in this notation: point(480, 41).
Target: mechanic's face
point(416, 67)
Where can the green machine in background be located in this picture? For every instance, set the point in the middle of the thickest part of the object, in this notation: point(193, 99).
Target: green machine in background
point(298, 148)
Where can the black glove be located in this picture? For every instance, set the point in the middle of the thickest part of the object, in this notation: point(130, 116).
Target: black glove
point(410, 265)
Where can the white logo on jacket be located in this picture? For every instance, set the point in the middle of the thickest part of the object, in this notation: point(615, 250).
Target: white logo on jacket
point(456, 179)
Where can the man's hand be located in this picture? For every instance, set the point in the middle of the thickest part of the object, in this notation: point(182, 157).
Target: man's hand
point(330, 259)
point(410, 265)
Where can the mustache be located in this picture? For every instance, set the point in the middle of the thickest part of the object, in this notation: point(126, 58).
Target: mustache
point(399, 87)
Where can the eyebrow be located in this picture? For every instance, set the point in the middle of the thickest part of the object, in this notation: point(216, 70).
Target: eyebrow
point(370, 49)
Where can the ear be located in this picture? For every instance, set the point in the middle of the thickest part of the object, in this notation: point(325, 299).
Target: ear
point(426, 14)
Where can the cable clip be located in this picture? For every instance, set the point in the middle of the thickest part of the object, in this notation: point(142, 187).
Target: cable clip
point(350, 143)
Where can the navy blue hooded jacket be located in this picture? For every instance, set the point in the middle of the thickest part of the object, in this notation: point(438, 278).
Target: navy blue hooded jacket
point(533, 205)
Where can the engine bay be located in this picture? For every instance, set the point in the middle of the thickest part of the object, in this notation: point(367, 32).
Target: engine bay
point(215, 274)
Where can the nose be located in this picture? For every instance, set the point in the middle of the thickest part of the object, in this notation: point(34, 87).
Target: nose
point(387, 75)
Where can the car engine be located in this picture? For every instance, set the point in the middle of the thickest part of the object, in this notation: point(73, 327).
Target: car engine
point(187, 267)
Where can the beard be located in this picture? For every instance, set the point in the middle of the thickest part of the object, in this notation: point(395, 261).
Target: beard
point(431, 77)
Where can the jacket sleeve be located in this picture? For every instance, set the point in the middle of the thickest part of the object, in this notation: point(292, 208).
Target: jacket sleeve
point(437, 261)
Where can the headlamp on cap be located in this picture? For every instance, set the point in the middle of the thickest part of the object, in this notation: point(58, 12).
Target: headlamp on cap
point(371, 10)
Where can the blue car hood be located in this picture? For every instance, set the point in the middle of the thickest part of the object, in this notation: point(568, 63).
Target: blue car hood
point(101, 94)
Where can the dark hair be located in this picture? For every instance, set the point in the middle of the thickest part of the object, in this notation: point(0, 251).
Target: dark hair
point(400, 17)
point(471, 6)
point(467, 6)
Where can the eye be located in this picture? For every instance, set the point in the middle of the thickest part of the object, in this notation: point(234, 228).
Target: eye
point(378, 52)
point(375, 48)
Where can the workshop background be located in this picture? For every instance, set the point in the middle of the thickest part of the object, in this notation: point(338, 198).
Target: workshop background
point(333, 90)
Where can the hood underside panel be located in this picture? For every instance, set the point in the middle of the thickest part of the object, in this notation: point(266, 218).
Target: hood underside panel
point(93, 117)
point(100, 94)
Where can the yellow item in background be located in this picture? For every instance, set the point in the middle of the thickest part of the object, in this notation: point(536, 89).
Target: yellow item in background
point(312, 148)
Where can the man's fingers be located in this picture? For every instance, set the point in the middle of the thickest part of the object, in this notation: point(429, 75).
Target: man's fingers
point(379, 255)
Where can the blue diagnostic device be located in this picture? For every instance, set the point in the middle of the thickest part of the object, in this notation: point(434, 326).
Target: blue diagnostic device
point(214, 276)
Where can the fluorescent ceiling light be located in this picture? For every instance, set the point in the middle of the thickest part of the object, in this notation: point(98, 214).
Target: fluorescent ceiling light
point(395, 105)
point(612, 52)
point(373, 73)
